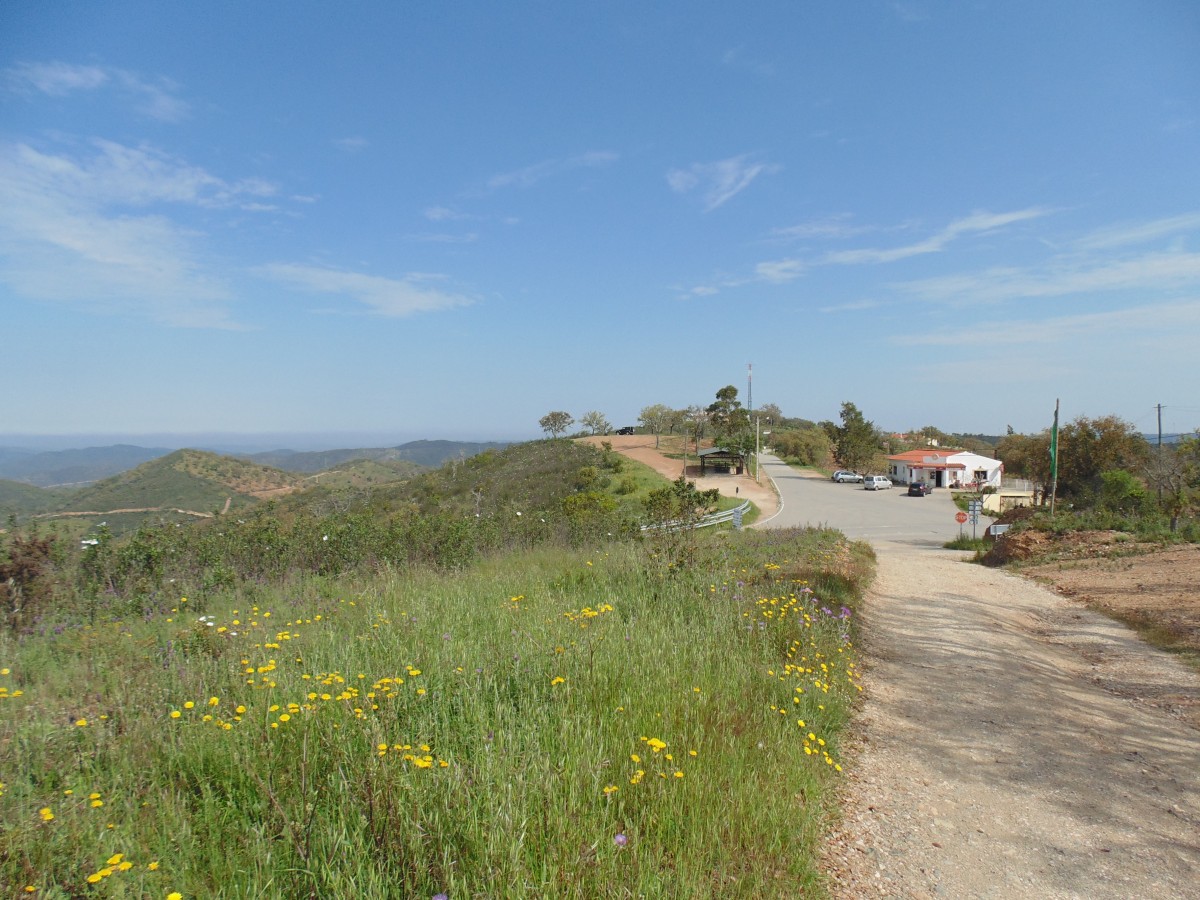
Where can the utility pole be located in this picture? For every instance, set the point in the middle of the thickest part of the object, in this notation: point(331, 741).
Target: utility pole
point(1054, 460)
point(1160, 467)
point(756, 452)
point(749, 387)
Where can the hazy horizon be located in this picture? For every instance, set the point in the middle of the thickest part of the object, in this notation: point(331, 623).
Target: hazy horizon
point(236, 443)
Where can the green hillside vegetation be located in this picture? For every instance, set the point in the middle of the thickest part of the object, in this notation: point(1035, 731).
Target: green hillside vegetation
point(360, 473)
point(398, 697)
point(428, 454)
point(20, 499)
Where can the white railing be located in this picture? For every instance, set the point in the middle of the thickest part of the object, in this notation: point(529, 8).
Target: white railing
point(1016, 484)
point(703, 522)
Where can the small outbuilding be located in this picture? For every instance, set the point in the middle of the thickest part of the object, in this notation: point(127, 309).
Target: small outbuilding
point(721, 461)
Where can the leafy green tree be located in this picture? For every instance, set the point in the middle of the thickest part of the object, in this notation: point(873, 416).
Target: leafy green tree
point(1122, 492)
point(556, 423)
point(727, 414)
point(694, 420)
point(596, 422)
point(1026, 456)
point(769, 413)
point(855, 441)
point(809, 446)
point(1087, 448)
point(656, 419)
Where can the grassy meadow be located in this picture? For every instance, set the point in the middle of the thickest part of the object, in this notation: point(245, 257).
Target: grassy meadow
point(595, 721)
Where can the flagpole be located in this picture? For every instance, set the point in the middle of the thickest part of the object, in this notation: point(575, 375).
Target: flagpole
point(1054, 459)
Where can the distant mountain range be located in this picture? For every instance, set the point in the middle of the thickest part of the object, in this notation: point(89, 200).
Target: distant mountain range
point(76, 468)
point(53, 468)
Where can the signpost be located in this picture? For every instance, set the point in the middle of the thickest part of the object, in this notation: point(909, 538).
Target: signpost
point(961, 518)
point(975, 507)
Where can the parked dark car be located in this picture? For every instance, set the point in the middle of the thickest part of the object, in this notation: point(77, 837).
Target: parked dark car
point(919, 489)
point(628, 429)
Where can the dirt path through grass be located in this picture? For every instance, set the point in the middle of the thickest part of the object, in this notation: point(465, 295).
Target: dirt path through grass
point(1005, 748)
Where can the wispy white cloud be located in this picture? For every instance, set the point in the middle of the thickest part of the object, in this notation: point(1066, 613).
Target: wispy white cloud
point(441, 237)
point(1165, 318)
point(90, 227)
point(1062, 277)
point(445, 214)
point(352, 144)
point(530, 175)
point(154, 98)
point(738, 58)
point(910, 11)
point(720, 181)
point(836, 227)
point(976, 223)
point(852, 306)
point(1139, 233)
point(56, 79)
point(119, 175)
point(391, 297)
point(780, 271)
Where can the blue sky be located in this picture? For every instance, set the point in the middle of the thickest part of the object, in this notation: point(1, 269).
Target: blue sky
point(402, 221)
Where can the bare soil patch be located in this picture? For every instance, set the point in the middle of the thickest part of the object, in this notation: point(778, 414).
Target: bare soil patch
point(640, 447)
point(1155, 589)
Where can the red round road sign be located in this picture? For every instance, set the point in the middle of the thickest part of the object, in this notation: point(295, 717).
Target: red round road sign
point(960, 517)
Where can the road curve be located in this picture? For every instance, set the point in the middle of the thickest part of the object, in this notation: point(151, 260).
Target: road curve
point(1002, 748)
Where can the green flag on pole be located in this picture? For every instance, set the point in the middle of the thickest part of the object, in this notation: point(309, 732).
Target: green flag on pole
point(1054, 448)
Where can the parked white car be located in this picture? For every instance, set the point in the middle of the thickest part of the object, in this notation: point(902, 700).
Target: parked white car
point(876, 483)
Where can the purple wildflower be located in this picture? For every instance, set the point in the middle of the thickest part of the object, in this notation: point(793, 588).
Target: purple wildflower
point(620, 840)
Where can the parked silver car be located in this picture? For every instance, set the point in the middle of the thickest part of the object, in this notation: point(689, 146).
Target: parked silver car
point(843, 475)
point(876, 483)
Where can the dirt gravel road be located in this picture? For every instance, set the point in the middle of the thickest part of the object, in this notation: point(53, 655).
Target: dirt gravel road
point(1004, 748)
point(1011, 743)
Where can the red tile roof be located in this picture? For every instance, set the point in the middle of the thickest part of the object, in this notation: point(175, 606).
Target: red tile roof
point(917, 456)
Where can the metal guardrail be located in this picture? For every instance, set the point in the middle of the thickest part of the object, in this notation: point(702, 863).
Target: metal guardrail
point(704, 521)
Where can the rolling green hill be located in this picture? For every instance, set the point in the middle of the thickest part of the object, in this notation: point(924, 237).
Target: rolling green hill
point(19, 499)
point(192, 480)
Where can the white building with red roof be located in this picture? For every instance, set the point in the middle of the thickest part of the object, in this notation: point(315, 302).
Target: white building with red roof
point(945, 468)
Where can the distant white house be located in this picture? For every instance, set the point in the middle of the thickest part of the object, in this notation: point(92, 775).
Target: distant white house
point(945, 468)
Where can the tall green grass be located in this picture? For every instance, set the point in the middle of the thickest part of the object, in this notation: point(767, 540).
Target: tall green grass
point(548, 723)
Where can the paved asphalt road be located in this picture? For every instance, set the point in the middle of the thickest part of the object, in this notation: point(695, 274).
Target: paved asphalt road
point(876, 516)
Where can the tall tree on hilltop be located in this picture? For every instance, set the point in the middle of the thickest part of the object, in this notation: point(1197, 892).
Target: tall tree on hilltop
point(656, 419)
point(596, 421)
point(556, 422)
point(727, 414)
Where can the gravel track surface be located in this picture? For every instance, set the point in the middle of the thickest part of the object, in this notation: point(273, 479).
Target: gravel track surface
point(1003, 748)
